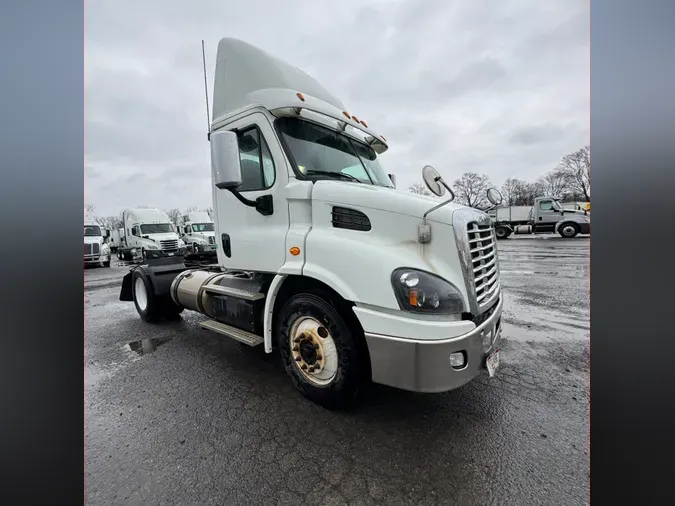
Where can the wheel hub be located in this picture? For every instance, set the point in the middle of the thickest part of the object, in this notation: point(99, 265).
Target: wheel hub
point(313, 351)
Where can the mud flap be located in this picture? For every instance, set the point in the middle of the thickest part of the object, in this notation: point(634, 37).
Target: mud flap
point(125, 294)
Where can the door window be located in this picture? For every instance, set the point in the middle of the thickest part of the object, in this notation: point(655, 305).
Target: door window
point(257, 166)
point(546, 205)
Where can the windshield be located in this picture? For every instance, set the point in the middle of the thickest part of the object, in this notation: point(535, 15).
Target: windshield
point(92, 231)
point(322, 152)
point(202, 227)
point(156, 228)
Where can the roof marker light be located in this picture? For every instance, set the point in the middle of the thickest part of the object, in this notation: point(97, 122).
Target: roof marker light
point(346, 114)
point(300, 96)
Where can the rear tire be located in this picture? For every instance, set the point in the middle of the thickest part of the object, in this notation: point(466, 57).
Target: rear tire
point(501, 233)
point(568, 230)
point(150, 307)
point(106, 264)
point(311, 331)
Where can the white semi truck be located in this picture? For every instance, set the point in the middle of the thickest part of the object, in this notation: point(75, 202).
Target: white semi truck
point(546, 216)
point(199, 233)
point(148, 233)
point(319, 257)
point(96, 249)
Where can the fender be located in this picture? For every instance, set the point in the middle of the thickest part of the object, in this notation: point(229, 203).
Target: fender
point(161, 273)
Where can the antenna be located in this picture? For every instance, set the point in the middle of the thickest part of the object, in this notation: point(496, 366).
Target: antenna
point(206, 92)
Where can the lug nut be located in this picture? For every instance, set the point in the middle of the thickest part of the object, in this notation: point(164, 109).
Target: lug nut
point(296, 348)
point(319, 357)
point(303, 367)
point(297, 340)
point(316, 346)
point(298, 359)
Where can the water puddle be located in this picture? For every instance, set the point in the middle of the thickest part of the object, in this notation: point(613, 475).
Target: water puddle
point(145, 346)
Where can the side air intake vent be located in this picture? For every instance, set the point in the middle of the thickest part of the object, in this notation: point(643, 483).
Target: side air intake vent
point(350, 219)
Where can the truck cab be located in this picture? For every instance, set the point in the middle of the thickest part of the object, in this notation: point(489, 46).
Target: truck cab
point(96, 249)
point(549, 216)
point(320, 258)
point(150, 233)
point(199, 233)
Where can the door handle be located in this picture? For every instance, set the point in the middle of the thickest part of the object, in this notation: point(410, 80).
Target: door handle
point(227, 246)
point(540, 218)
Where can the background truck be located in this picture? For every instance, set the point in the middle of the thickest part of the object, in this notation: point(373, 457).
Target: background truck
point(199, 233)
point(545, 217)
point(96, 249)
point(148, 233)
point(116, 239)
point(319, 257)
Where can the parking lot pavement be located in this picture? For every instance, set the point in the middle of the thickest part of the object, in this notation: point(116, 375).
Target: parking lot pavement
point(177, 415)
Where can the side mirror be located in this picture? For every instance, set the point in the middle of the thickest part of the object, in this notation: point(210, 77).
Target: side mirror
point(225, 162)
point(393, 179)
point(494, 196)
point(435, 182)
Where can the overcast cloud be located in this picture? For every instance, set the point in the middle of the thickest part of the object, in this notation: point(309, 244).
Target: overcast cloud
point(499, 87)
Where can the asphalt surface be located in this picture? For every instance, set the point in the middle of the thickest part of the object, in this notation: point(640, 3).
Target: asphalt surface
point(187, 417)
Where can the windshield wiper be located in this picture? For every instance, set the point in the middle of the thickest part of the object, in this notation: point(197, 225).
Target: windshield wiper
point(338, 175)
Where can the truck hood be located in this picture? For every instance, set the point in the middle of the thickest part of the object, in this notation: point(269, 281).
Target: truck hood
point(366, 196)
point(167, 236)
point(93, 240)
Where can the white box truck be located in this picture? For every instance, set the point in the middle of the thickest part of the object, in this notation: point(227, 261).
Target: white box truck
point(148, 233)
point(319, 257)
point(96, 249)
point(546, 216)
point(199, 233)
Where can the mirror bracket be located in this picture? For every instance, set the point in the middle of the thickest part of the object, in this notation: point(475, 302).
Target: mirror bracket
point(263, 204)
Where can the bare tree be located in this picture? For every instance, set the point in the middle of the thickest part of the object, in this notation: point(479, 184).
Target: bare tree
point(471, 190)
point(420, 189)
point(174, 215)
point(110, 222)
point(513, 191)
point(576, 168)
point(554, 184)
point(89, 208)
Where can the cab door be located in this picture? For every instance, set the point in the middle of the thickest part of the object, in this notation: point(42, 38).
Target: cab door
point(246, 239)
point(546, 215)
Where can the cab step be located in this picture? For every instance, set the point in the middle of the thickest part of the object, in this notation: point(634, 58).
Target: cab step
point(234, 292)
point(237, 334)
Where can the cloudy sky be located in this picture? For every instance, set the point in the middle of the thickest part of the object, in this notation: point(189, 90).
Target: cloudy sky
point(499, 87)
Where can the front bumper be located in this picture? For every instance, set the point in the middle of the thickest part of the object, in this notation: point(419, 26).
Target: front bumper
point(206, 248)
point(423, 365)
point(584, 228)
point(95, 259)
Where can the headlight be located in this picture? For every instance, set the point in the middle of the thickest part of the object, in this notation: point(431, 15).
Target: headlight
point(181, 244)
point(422, 292)
point(151, 246)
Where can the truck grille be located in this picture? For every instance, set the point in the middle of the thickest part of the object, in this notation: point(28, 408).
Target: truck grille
point(483, 254)
point(169, 245)
point(212, 240)
point(91, 249)
point(477, 251)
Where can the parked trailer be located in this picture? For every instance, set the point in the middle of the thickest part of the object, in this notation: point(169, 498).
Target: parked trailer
point(319, 257)
point(545, 217)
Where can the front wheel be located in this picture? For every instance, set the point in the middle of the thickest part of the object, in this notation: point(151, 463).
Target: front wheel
point(322, 351)
point(106, 263)
point(568, 230)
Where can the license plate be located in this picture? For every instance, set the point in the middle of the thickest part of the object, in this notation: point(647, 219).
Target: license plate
point(170, 254)
point(492, 363)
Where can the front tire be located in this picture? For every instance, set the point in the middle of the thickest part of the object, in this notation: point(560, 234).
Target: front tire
point(568, 230)
point(322, 352)
point(106, 263)
point(150, 307)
